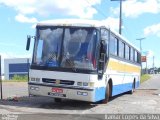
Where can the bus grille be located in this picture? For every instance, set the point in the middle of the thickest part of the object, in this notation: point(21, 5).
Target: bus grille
point(61, 82)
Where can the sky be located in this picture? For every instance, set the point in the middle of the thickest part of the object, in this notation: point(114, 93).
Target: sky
point(140, 19)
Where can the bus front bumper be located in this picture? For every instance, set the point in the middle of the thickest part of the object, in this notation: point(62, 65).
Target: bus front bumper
point(66, 92)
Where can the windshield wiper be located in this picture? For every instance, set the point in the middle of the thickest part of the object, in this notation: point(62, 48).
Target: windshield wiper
point(70, 63)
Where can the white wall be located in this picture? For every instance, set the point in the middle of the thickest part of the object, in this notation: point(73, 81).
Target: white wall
point(12, 61)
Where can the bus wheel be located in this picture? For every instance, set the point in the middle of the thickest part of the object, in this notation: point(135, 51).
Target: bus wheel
point(57, 99)
point(133, 88)
point(107, 94)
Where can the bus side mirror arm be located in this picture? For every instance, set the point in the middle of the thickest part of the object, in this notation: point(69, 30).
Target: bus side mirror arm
point(29, 41)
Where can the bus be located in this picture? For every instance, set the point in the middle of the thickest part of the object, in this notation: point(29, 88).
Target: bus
point(81, 60)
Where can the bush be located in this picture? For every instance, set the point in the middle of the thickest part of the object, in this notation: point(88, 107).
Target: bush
point(20, 78)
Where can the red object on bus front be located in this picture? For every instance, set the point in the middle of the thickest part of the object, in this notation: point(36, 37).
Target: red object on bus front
point(57, 90)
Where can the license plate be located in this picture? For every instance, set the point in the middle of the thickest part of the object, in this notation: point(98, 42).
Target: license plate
point(57, 90)
point(57, 94)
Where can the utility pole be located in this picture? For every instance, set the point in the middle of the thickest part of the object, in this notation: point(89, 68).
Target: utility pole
point(120, 15)
point(140, 40)
point(120, 18)
point(146, 66)
point(1, 92)
point(153, 64)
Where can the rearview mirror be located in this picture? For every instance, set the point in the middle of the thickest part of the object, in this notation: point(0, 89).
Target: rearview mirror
point(28, 42)
point(101, 65)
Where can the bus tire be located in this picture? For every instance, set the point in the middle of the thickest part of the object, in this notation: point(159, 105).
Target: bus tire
point(133, 88)
point(57, 99)
point(107, 94)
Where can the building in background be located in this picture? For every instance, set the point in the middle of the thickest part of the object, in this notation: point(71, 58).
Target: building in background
point(16, 66)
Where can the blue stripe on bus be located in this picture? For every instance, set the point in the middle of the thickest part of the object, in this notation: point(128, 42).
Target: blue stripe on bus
point(117, 89)
point(99, 93)
point(121, 88)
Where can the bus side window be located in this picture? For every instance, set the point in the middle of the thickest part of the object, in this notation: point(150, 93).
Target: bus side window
point(131, 54)
point(121, 49)
point(113, 45)
point(127, 48)
point(139, 58)
point(136, 56)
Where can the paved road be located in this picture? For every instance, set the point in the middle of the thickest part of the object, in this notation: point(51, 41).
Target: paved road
point(144, 100)
point(153, 83)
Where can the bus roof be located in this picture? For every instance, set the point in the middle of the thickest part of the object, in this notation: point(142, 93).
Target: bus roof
point(71, 22)
point(82, 23)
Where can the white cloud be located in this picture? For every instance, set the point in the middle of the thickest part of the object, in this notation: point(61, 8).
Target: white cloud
point(134, 8)
point(23, 19)
point(113, 23)
point(114, 11)
point(152, 30)
point(149, 53)
point(33, 26)
point(78, 8)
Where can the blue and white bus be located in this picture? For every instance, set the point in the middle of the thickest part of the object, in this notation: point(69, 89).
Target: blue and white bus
point(82, 60)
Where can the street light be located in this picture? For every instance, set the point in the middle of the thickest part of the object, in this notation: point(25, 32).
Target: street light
point(140, 40)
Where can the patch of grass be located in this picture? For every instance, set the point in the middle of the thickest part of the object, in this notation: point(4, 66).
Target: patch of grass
point(14, 80)
point(145, 77)
point(17, 78)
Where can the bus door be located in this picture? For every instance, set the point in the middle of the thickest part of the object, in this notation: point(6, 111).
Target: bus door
point(103, 54)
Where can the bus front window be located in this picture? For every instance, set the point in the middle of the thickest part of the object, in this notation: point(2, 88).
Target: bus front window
point(66, 47)
point(48, 47)
point(79, 48)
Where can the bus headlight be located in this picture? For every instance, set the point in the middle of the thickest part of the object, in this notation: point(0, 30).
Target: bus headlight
point(91, 84)
point(85, 83)
point(35, 79)
point(82, 83)
point(34, 88)
point(79, 83)
point(32, 79)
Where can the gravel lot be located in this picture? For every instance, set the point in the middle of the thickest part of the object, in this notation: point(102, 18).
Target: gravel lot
point(12, 89)
point(146, 99)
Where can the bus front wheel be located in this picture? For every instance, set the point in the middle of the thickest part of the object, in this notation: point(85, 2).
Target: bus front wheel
point(57, 99)
point(107, 94)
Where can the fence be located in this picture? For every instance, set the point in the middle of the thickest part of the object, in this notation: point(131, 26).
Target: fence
point(12, 88)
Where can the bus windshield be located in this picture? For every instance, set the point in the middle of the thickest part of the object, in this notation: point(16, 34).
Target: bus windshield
point(66, 47)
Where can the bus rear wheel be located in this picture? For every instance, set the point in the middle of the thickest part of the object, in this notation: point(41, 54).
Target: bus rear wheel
point(133, 88)
point(107, 94)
